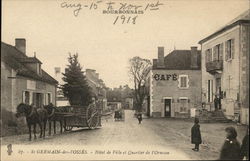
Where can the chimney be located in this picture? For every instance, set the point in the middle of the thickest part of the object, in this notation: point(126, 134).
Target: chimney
point(57, 70)
point(160, 62)
point(20, 44)
point(194, 57)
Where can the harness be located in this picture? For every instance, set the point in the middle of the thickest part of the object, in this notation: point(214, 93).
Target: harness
point(32, 111)
point(52, 113)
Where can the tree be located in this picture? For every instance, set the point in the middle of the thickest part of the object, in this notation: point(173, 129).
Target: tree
point(76, 88)
point(138, 71)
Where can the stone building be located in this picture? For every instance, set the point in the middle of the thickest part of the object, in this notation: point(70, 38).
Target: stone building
point(97, 86)
point(225, 68)
point(174, 83)
point(23, 80)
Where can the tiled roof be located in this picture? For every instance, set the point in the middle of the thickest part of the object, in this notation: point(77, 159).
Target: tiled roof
point(241, 19)
point(180, 60)
point(16, 60)
point(30, 60)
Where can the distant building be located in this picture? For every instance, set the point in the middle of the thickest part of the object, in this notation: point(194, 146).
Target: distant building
point(129, 101)
point(225, 68)
point(61, 100)
point(22, 78)
point(97, 86)
point(174, 83)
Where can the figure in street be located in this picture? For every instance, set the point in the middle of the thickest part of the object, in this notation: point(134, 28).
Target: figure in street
point(196, 135)
point(244, 149)
point(139, 117)
point(216, 102)
point(231, 147)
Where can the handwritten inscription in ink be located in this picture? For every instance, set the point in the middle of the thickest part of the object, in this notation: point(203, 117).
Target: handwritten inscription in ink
point(126, 13)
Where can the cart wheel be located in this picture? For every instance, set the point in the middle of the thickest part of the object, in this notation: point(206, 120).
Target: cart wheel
point(92, 117)
point(68, 128)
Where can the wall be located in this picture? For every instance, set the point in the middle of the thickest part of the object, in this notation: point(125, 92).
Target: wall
point(6, 87)
point(244, 72)
point(230, 68)
point(11, 95)
point(169, 88)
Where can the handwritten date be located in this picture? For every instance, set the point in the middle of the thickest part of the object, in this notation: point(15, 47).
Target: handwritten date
point(123, 19)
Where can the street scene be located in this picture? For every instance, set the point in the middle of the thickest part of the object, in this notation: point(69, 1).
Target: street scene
point(166, 135)
point(123, 80)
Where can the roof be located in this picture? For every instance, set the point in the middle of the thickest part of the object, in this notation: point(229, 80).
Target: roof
point(30, 60)
point(244, 18)
point(17, 60)
point(180, 60)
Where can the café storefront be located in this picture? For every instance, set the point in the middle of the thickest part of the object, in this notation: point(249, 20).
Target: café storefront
point(174, 88)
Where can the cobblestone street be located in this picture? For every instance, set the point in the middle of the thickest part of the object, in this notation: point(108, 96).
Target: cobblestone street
point(159, 135)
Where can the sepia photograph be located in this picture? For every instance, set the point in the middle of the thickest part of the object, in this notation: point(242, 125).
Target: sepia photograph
point(125, 80)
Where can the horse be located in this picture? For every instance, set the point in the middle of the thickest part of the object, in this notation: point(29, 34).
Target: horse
point(33, 116)
point(51, 109)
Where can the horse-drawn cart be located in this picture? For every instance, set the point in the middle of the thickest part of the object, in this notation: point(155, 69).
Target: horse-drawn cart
point(80, 116)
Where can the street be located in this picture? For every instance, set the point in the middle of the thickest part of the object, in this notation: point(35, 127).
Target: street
point(164, 138)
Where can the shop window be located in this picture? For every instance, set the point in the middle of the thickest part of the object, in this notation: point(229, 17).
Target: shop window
point(183, 81)
point(183, 105)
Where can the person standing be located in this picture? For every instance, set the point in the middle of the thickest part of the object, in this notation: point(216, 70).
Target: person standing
point(216, 103)
point(196, 135)
point(244, 149)
point(231, 147)
point(139, 117)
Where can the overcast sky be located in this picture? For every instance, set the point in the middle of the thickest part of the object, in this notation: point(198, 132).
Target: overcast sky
point(52, 32)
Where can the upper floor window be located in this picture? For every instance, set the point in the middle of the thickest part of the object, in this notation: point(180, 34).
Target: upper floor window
point(183, 81)
point(229, 49)
point(218, 52)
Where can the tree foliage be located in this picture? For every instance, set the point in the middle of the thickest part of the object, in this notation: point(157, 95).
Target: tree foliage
point(76, 88)
point(138, 70)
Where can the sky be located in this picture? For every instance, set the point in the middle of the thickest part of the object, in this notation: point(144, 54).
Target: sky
point(53, 31)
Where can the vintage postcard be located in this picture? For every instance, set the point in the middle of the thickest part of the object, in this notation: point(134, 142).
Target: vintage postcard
point(125, 80)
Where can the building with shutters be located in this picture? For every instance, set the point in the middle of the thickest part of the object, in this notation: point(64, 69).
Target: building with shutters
point(225, 68)
point(23, 80)
point(98, 87)
point(174, 84)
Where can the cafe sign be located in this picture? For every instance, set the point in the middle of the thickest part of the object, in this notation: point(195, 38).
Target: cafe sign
point(165, 77)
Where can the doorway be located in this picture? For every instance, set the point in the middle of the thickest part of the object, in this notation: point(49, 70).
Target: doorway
point(218, 91)
point(37, 99)
point(167, 105)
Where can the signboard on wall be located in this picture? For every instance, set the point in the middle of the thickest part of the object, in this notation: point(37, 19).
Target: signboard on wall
point(31, 84)
point(165, 77)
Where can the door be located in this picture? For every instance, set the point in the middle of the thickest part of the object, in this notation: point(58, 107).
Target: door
point(37, 99)
point(218, 91)
point(148, 106)
point(167, 107)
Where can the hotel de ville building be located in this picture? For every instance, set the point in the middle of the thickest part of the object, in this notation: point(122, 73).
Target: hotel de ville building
point(225, 68)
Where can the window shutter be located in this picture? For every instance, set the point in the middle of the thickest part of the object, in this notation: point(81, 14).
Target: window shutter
point(45, 99)
point(206, 56)
point(23, 101)
point(232, 48)
point(221, 52)
point(31, 97)
point(226, 54)
point(214, 53)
